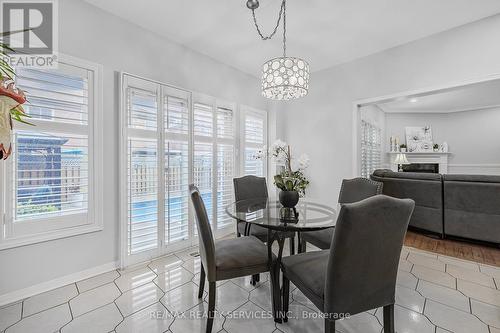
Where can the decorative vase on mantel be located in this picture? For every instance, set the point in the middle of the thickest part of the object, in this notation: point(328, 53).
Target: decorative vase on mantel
point(289, 199)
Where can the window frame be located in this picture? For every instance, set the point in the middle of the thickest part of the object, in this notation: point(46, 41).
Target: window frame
point(35, 230)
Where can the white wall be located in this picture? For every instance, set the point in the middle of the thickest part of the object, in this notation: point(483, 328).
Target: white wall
point(92, 34)
point(473, 136)
point(321, 123)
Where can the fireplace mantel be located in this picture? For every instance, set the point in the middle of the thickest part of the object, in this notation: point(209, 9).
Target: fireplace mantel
point(423, 157)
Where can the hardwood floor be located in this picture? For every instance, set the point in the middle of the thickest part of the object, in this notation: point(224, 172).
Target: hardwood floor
point(469, 251)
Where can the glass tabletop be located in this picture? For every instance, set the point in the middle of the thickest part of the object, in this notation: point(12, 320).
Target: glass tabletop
point(306, 216)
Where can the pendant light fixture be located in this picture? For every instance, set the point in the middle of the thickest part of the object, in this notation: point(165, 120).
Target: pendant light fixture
point(283, 78)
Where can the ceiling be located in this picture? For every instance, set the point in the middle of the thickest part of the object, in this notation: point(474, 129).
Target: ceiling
point(324, 32)
point(471, 97)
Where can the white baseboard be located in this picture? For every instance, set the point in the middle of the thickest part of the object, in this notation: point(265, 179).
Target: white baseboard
point(20, 294)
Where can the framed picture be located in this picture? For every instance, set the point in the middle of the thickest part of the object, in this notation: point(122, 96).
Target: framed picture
point(419, 139)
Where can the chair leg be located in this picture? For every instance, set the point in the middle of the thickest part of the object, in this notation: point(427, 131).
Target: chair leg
point(329, 326)
point(389, 318)
point(292, 246)
point(202, 282)
point(286, 297)
point(303, 246)
point(211, 306)
point(255, 278)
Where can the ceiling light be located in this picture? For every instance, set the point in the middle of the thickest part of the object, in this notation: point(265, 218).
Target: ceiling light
point(283, 78)
point(413, 100)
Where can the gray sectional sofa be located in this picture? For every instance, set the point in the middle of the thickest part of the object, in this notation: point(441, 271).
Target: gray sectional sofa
point(465, 206)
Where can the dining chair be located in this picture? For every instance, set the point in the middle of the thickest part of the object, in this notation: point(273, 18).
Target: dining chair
point(352, 190)
point(224, 259)
point(251, 187)
point(358, 272)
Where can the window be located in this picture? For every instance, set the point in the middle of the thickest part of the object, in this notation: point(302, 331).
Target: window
point(371, 148)
point(171, 138)
point(51, 178)
point(214, 156)
point(254, 132)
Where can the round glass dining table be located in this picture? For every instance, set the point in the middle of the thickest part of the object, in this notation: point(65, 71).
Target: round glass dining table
point(308, 215)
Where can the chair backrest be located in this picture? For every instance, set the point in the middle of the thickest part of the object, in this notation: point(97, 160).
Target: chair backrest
point(250, 187)
point(357, 189)
point(205, 236)
point(364, 255)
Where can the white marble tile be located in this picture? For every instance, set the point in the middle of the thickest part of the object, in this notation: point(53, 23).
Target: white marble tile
point(194, 321)
point(134, 267)
point(153, 319)
point(490, 270)
point(101, 320)
point(406, 279)
point(135, 278)
point(262, 296)
point(408, 321)
point(442, 330)
point(182, 298)
point(97, 281)
point(361, 322)
point(470, 275)
point(9, 315)
point(426, 261)
point(423, 253)
point(249, 318)
point(138, 298)
point(459, 262)
point(244, 281)
point(409, 299)
point(404, 253)
point(479, 292)
point(48, 299)
point(452, 319)
point(494, 329)
point(47, 321)
point(193, 265)
point(444, 295)
point(303, 320)
point(434, 276)
point(229, 297)
point(93, 299)
point(405, 265)
point(187, 254)
point(165, 263)
point(173, 278)
point(299, 297)
point(488, 313)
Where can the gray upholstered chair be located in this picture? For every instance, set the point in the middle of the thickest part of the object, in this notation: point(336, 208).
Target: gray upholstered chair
point(224, 259)
point(358, 272)
point(352, 190)
point(251, 187)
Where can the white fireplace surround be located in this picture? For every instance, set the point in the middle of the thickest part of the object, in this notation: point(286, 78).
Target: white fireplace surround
point(423, 157)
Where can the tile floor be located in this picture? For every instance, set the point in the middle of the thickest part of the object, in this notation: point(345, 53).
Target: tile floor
point(435, 294)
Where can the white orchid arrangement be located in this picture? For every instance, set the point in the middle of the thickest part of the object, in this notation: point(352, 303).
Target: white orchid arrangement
point(288, 179)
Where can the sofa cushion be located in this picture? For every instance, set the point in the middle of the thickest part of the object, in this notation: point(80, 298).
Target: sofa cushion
point(473, 178)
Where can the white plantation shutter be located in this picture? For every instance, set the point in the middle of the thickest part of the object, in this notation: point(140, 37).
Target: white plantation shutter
point(214, 157)
point(142, 195)
point(51, 183)
point(157, 184)
point(254, 128)
point(225, 164)
point(142, 169)
point(176, 133)
point(371, 148)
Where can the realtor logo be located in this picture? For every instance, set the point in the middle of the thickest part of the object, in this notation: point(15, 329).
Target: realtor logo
point(30, 30)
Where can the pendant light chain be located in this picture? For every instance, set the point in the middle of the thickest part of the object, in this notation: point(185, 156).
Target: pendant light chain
point(284, 28)
point(271, 35)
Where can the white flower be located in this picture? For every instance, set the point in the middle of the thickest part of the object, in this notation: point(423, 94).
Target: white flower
point(303, 162)
point(261, 153)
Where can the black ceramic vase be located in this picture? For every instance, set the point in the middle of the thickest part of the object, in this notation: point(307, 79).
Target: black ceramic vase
point(289, 198)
